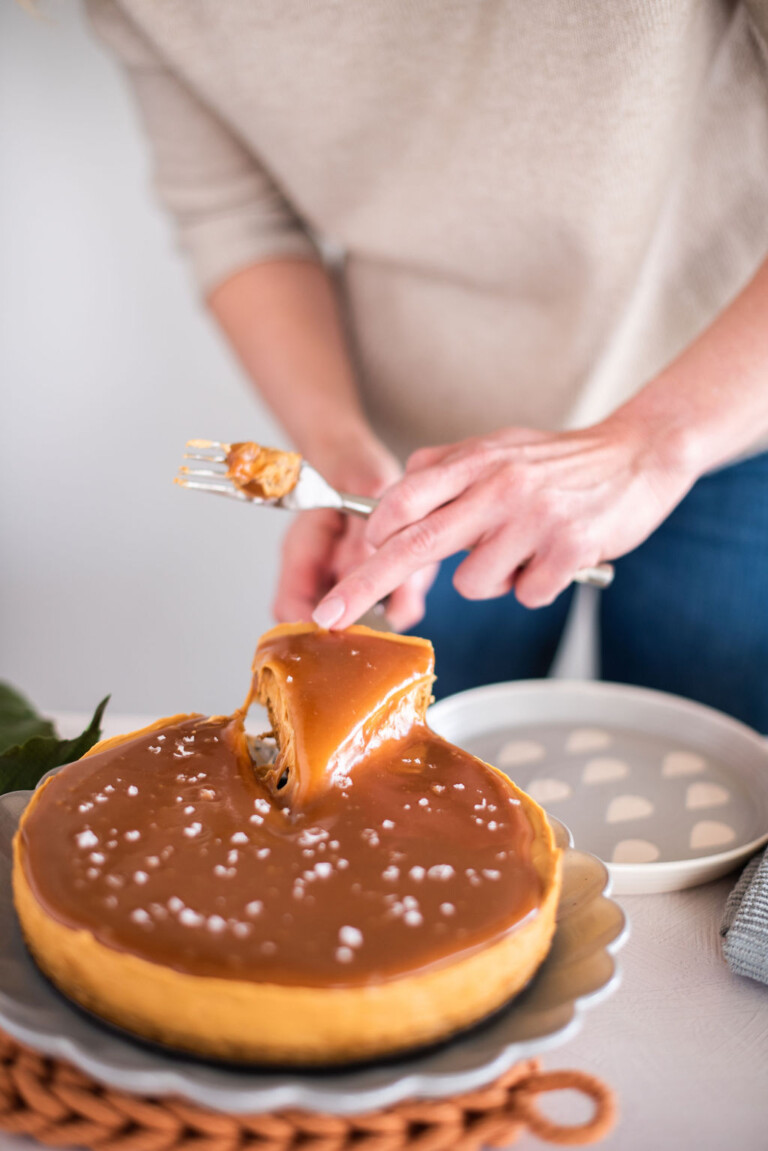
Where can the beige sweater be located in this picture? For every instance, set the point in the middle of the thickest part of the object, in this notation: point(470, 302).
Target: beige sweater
point(540, 203)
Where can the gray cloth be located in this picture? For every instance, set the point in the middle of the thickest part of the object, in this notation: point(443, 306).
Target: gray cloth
point(745, 922)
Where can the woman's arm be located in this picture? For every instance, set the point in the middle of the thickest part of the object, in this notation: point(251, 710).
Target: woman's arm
point(282, 319)
point(534, 507)
point(714, 397)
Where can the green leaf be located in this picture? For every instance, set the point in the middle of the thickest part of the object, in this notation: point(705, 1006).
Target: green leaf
point(19, 720)
point(22, 766)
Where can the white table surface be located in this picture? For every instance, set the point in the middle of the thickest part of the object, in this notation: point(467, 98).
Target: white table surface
point(683, 1041)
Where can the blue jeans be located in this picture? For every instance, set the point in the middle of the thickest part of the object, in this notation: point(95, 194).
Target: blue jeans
point(687, 612)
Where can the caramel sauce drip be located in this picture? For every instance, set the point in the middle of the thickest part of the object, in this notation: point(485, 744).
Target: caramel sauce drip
point(172, 847)
point(266, 473)
point(335, 696)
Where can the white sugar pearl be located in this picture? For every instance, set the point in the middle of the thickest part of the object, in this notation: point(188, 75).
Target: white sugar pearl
point(190, 918)
point(350, 936)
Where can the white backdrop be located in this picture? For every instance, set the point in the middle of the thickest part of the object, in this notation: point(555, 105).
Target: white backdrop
point(112, 578)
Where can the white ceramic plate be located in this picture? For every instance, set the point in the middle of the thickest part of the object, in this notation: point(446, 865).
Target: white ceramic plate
point(579, 971)
point(668, 792)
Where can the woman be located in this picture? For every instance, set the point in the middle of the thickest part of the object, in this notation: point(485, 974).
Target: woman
point(554, 226)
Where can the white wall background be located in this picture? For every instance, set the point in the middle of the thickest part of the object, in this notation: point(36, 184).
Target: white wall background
point(111, 578)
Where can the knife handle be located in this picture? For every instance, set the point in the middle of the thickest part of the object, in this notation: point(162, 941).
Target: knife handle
point(600, 576)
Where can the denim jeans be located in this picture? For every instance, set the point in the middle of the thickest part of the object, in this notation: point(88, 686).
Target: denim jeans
point(687, 612)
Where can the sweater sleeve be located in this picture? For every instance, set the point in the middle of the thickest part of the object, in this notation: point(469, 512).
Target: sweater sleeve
point(228, 211)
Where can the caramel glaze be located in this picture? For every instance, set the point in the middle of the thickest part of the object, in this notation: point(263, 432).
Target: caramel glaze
point(342, 694)
point(170, 846)
point(387, 851)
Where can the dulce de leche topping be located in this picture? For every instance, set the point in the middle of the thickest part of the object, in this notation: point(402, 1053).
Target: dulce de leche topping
point(334, 696)
point(172, 846)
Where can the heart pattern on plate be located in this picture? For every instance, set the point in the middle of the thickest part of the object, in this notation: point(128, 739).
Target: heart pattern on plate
point(625, 807)
point(682, 763)
point(635, 851)
point(711, 833)
point(703, 794)
point(518, 751)
point(546, 791)
point(603, 770)
point(587, 739)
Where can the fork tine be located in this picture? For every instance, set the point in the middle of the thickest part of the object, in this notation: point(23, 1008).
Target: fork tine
point(203, 473)
point(210, 458)
point(214, 489)
point(207, 444)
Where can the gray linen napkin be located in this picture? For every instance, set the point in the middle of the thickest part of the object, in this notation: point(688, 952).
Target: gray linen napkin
point(745, 922)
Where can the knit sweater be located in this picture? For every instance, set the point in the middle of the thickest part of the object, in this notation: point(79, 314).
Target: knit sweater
point(539, 204)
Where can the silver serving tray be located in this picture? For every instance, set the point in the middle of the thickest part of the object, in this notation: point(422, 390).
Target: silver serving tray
point(578, 973)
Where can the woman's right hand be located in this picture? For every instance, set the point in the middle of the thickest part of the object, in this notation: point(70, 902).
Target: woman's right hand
point(320, 547)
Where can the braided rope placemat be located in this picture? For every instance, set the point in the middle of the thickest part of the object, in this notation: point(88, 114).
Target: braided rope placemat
point(53, 1102)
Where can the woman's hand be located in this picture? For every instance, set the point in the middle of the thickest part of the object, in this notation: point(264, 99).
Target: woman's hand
point(531, 507)
point(534, 507)
point(322, 547)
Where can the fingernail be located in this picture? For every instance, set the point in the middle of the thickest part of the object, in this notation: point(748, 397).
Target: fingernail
point(329, 612)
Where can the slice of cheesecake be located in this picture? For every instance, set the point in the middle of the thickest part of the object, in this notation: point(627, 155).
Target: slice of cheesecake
point(333, 697)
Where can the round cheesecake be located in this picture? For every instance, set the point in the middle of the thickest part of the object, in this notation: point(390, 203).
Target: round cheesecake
point(363, 897)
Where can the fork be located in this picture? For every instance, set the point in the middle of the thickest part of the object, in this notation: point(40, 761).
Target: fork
point(310, 491)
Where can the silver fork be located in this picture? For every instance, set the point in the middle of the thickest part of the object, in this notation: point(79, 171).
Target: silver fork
point(311, 491)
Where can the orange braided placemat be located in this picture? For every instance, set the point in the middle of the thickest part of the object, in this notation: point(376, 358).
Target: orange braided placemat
point(55, 1103)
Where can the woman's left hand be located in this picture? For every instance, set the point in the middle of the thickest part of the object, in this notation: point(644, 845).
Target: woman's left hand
point(531, 507)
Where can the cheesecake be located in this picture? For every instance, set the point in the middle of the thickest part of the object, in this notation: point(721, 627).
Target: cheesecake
point(373, 890)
